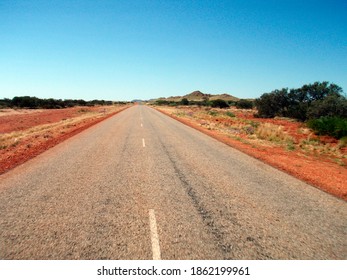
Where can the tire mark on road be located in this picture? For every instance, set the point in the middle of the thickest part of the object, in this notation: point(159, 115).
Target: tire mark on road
point(206, 216)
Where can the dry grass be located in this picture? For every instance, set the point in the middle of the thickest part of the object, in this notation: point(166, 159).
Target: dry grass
point(314, 146)
point(239, 125)
point(14, 138)
point(273, 133)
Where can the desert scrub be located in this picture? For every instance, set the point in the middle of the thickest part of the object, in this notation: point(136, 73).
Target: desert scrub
point(248, 129)
point(309, 143)
point(318, 148)
point(180, 114)
point(253, 124)
point(342, 142)
point(190, 114)
point(230, 114)
point(332, 126)
point(273, 133)
point(15, 143)
point(213, 113)
point(83, 111)
point(304, 130)
point(290, 146)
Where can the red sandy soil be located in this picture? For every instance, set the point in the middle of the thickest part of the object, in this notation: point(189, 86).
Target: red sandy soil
point(315, 170)
point(29, 147)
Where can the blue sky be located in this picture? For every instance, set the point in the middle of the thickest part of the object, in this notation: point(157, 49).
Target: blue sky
point(123, 50)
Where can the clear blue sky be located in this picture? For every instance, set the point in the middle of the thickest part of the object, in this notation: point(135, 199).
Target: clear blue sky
point(125, 49)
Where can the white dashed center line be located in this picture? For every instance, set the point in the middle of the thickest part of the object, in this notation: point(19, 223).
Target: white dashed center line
point(154, 235)
point(143, 142)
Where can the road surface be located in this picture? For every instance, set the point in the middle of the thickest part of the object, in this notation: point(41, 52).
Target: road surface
point(141, 185)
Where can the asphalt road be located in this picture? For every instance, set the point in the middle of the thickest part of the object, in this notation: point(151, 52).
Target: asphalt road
point(141, 185)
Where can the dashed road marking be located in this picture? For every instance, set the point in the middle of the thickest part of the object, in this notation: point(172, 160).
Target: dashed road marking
point(154, 235)
point(143, 142)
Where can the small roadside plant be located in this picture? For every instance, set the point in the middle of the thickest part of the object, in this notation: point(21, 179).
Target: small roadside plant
point(343, 142)
point(213, 113)
point(230, 114)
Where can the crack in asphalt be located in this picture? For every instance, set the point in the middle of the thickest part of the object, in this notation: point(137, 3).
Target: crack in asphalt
point(206, 216)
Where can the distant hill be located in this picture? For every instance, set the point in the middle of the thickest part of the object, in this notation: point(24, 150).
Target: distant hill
point(200, 96)
point(197, 96)
point(224, 96)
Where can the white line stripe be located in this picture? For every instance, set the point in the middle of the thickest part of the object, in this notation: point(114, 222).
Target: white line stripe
point(141, 125)
point(143, 142)
point(154, 235)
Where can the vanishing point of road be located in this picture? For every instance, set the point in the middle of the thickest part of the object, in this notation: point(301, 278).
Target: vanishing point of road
point(141, 185)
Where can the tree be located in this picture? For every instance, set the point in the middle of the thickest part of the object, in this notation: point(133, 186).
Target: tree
point(273, 104)
point(25, 102)
point(5, 103)
point(161, 102)
point(184, 101)
point(300, 103)
point(331, 105)
point(219, 103)
point(301, 99)
point(244, 104)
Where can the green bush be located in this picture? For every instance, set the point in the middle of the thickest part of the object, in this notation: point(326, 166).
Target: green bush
point(161, 102)
point(184, 101)
point(5, 103)
point(213, 113)
point(219, 103)
point(244, 104)
point(272, 104)
point(231, 102)
point(333, 126)
point(230, 114)
point(343, 142)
